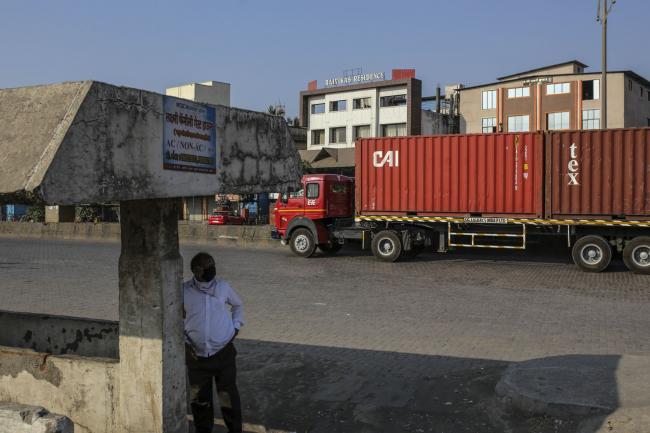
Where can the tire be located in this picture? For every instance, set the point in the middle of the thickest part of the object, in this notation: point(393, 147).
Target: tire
point(636, 255)
point(387, 246)
point(302, 242)
point(592, 253)
point(330, 249)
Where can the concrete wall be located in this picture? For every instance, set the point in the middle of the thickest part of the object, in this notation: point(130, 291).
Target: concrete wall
point(189, 232)
point(59, 335)
point(124, 161)
point(637, 103)
point(438, 123)
point(85, 389)
point(111, 139)
point(64, 364)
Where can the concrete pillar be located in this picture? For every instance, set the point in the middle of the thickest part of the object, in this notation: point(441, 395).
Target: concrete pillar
point(152, 364)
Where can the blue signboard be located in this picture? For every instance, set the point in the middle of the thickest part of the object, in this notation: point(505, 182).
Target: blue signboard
point(189, 136)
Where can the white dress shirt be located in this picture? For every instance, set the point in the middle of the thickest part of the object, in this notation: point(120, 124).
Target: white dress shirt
point(209, 323)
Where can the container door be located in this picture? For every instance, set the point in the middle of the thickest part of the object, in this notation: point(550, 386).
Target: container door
point(599, 174)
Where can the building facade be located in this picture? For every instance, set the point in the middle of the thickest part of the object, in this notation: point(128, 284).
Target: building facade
point(207, 92)
point(561, 96)
point(336, 116)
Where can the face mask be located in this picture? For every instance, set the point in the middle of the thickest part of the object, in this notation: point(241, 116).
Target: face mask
point(209, 274)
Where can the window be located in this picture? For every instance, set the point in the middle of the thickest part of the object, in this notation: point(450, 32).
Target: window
point(392, 101)
point(318, 136)
point(558, 89)
point(489, 99)
point(488, 125)
point(518, 123)
point(312, 190)
point(317, 108)
point(641, 91)
point(393, 130)
point(341, 105)
point(337, 135)
point(519, 92)
point(557, 120)
point(591, 119)
point(361, 131)
point(648, 93)
point(297, 194)
point(360, 103)
point(648, 121)
point(339, 188)
point(590, 90)
point(629, 84)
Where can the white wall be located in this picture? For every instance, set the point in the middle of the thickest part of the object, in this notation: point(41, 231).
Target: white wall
point(208, 92)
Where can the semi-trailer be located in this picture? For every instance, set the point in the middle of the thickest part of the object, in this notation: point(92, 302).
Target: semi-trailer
point(493, 191)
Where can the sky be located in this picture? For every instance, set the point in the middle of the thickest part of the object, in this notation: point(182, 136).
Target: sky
point(270, 50)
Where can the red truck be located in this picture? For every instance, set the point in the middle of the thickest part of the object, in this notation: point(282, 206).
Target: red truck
point(483, 191)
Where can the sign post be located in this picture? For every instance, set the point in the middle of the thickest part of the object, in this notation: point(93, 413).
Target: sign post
point(189, 136)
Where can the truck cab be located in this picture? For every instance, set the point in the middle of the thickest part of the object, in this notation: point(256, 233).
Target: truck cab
point(304, 218)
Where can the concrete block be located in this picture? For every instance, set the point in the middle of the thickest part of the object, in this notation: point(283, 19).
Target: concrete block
point(20, 418)
point(91, 142)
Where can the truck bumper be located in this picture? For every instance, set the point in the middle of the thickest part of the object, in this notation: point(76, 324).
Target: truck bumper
point(276, 235)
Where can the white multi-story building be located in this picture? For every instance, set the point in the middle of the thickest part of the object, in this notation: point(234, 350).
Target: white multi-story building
point(336, 116)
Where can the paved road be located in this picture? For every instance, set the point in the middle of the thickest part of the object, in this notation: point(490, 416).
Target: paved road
point(349, 338)
point(504, 306)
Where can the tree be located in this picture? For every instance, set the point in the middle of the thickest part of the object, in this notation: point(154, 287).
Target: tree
point(276, 110)
point(35, 214)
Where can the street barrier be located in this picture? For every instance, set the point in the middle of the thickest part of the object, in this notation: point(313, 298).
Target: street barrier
point(188, 232)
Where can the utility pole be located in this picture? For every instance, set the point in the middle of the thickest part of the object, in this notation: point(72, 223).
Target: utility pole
point(602, 17)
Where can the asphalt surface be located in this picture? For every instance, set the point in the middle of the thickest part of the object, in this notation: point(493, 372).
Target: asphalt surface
point(347, 343)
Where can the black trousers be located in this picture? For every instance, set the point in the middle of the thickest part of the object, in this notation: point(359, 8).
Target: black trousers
point(220, 367)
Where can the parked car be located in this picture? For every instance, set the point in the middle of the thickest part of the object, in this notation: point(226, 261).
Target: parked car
point(224, 217)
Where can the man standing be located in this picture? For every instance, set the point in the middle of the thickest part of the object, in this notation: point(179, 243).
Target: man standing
point(210, 328)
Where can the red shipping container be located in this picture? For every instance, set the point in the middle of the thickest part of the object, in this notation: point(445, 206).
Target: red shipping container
point(476, 174)
point(602, 174)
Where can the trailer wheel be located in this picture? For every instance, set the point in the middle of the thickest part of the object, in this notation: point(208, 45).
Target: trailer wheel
point(592, 253)
point(636, 255)
point(387, 246)
point(302, 243)
point(330, 249)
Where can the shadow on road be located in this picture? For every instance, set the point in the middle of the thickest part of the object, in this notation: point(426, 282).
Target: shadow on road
point(551, 251)
point(315, 389)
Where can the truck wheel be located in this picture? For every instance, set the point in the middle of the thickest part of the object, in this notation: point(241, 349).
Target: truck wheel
point(330, 249)
point(387, 246)
point(636, 255)
point(592, 253)
point(302, 243)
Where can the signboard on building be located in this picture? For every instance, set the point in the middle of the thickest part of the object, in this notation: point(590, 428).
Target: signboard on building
point(538, 80)
point(189, 136)
point(354, 79)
